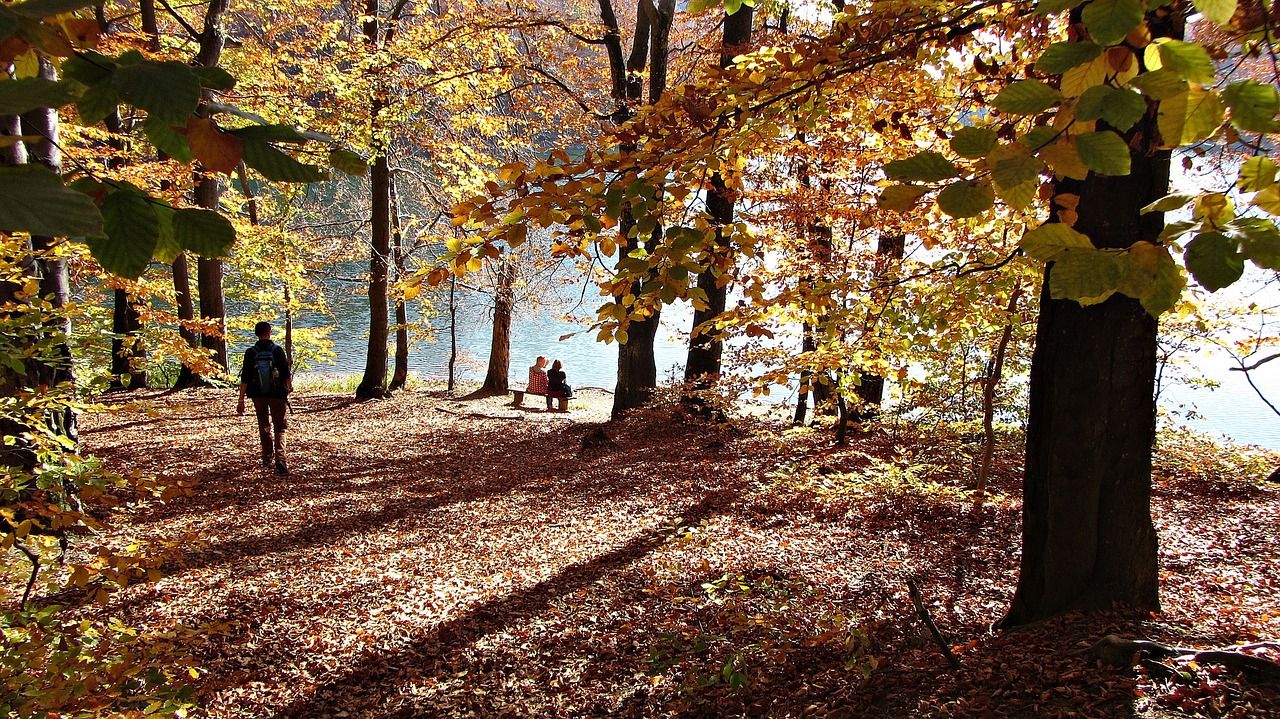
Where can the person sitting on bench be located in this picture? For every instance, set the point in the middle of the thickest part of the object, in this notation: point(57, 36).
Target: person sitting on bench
point(556, 385)
point(538, 377)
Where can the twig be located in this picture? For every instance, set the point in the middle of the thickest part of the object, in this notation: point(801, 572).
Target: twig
point(941, 641)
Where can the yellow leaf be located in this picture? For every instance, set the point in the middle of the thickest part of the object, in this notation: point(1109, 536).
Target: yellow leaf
point(1082, 77)
point(1063, 159)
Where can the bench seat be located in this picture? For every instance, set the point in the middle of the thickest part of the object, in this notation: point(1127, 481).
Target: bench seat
point(518, 394)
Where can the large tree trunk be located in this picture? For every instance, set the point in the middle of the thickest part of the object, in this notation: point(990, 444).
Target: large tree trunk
point(889, 248)
point(374, 383)
point(702, 366)
point(1087, 537)
point(209, 270)
point(127, 351)
point(185, 308)
point(495, 379)
point(637, 366)
point(400, 374)
point(55, 284)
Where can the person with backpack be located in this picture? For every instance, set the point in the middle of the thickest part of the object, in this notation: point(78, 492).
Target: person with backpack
point(267, 379)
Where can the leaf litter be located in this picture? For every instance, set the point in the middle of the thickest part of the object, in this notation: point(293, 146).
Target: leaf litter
point(435, 558)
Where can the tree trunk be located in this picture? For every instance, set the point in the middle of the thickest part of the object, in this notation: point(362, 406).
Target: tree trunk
point(807, 345)
point(495, 380)
point(637, 366)
point(185, 307)
point(702, 366)
point(400, 375)
point(374, 383)
point(55, 284)
point(870, 390)
point(453, 329)
point(127, 352)
point(1087, 539)
point(209, 271)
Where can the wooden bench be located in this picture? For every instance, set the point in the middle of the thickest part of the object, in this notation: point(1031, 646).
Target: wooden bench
point(518, 398)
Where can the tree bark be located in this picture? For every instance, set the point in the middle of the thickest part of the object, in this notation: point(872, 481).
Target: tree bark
point(209, 270)
point(702, 367)
point(400, 374)
point(495, 379)
point(374, 383)
point(1087, 540)
point(185, 308)
point(127, 351)
point(637, 367)
point(870, 391)
point(55, 283)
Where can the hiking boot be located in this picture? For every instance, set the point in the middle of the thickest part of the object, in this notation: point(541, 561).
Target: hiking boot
point(281, 468)
point(266, 462)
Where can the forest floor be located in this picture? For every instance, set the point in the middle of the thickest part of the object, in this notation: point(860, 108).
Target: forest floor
point(468, 559)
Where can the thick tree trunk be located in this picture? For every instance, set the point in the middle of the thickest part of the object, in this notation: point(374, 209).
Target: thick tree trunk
point(127, 351)
point(400, 374)
point(807, 345)
point(185, 308)
point(637, 366)
point(209, 270)
point(55, 284)
point(870, 391)
point(495, 379)
point(702, 366)
point(374, 383)
point(1087, 539)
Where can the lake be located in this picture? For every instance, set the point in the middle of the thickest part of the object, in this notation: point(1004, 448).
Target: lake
point(1232, 409)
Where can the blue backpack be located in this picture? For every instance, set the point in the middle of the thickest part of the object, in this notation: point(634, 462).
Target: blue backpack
point(265, 371)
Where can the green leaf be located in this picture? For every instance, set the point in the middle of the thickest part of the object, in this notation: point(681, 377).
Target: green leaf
point(97, 103)
point(166, 90)
point(1062, 56)
point(897, 198)
point(1150, 275)
point(1257, 172)
point(1108, 21)
point(1188, 59)
point(1253, 105)
point(270, 133)
point(1016, 170)
point(923, 167)
point(1121, 109)
point(214, 78)
point(1175, 230)
point(203, 232)
point(276, 165)
point(88, 67)
point(38, 9)
point(1189, 117)
point(1214, 260)
point(1086, 276)
point(1050, 7)
point(1218, 12)
point(132, 231)
point(167, 248)
point(973, 142)
point(966, 198)
point(167, 140)
point(24, 95)
point(34, 200)
point(349, 162)
point(1168, 203)
point(1259, 240)
point(1104, 152)
point(1051, 239)
point(1026, 97)
point(1039, 137)
point(1159, 84)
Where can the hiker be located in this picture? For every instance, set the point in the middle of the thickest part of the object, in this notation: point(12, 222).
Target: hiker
point(538, 377)
point(267, 379)
point(556, 386)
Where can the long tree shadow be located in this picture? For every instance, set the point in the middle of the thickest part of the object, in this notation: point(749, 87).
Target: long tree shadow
point(492, 615)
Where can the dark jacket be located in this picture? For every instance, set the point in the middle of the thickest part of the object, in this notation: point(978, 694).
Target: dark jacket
point(279, 362)
point(555, 380)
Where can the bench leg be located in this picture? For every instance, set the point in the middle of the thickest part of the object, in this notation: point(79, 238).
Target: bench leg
point(564, 403)
point(518, 399)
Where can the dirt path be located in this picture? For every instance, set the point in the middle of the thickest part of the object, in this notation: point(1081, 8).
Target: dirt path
point(422, 561)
